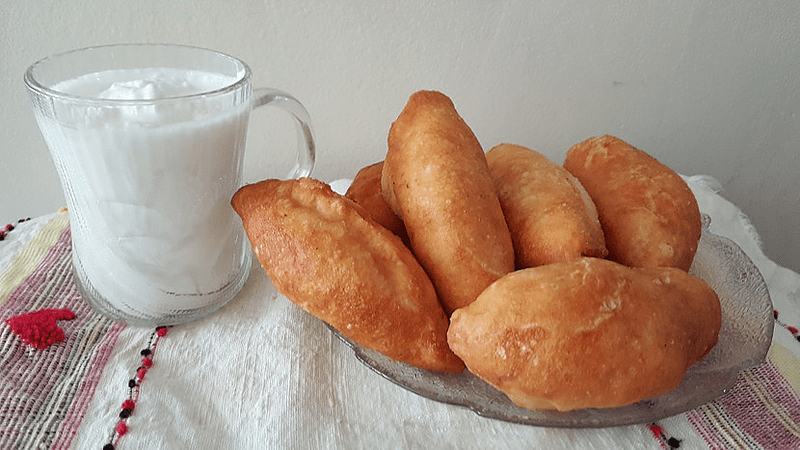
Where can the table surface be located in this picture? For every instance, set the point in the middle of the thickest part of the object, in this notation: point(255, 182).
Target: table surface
point(261, 373)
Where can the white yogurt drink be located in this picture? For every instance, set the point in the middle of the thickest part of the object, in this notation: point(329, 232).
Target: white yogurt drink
point(141, 242)
point(148, 141)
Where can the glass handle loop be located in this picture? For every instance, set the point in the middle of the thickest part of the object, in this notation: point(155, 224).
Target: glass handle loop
point(306, 148)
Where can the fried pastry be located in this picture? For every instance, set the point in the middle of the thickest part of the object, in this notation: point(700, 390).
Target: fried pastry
point(590, 333)
point(648, 213)
point(549, 214)
point(366, 191)
point(327, 255)
point(435, 177)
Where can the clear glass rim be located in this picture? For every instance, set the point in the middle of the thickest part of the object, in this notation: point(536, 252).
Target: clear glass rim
point(35, 85)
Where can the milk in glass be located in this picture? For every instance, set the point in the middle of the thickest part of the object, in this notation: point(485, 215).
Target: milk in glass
point(139, 238)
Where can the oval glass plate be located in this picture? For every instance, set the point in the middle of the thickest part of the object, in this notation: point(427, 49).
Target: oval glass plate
point(745, 337)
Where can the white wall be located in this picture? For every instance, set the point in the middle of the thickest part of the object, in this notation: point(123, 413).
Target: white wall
point(706, 87)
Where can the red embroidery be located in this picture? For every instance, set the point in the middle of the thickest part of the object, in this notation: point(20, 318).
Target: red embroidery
point(5, 230)
point(8, 228)
point(134, 384)
point(793, 330)
point(661, 435)
point(38, 328)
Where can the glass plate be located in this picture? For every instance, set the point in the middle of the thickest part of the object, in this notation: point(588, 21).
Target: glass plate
point(745, 337)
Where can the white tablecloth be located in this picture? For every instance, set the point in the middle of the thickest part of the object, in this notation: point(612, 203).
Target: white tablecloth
point(261, 373)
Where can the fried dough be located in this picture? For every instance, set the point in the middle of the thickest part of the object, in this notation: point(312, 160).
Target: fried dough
point(366, 191)
point(590, 333)
point(549, 214)
point(327, 255)
point(435, 177)
point(649, 215)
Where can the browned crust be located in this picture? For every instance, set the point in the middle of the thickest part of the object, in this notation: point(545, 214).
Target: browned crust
point(590, 333)
point(328, 256)
point(435, 177)
point(366, 191)
point(649, 215)
point(549, 214)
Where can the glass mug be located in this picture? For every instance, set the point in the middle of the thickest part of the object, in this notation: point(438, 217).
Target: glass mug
point(148, 141)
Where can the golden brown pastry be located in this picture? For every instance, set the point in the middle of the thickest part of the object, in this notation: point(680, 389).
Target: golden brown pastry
point(648, 213)
point(435, 177)
point(366, 191)
point(327, 255)
point(549, 214)
point(590, 333)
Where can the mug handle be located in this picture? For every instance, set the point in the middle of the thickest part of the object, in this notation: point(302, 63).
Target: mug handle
point(306, 149)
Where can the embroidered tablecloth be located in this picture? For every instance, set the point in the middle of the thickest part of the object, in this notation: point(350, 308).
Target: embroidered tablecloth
point(261, 373)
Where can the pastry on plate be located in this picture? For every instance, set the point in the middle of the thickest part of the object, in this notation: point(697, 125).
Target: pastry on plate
point(549, 214)
point(648, 213)
point(590, 333)
point(327, 255)
point(366, 191)
point(435, 177)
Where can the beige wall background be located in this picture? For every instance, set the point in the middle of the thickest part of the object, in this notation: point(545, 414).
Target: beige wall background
point(706, 87)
